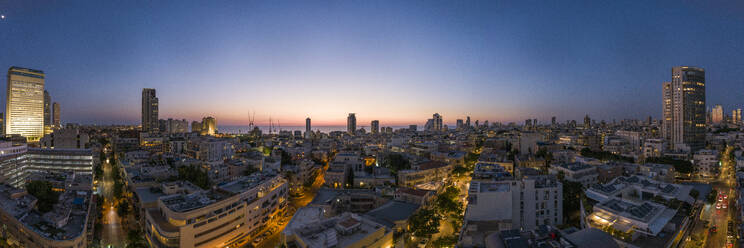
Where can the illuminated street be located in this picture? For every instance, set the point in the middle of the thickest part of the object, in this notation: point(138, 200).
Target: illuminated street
point(112, 233)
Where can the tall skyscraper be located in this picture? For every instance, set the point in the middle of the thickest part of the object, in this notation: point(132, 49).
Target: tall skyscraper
point(56, 121)
point(308, 128)
point(459, 124)
point(375, 126)
point(736, 116)
point(552, 121)
point(149, 110)
point(47, 108)
point(587, 122)
point(351, 123)
point(717, 114)
point(467, 121)
point(24, 109)
point(684, 109)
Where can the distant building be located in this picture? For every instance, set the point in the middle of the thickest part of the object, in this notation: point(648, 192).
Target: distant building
point(209, 126)
point(736, 116)
point(24, 109)
point(47, 112)
point(375, 126)
point(717, 114)
point(308, 128)
point(684, 109)
point(149, 110)
point(56, 121)
point(351, 123)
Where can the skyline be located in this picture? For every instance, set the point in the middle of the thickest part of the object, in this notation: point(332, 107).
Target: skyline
point(395, 62)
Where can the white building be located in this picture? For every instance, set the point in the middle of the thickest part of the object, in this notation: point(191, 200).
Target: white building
point(706, 162)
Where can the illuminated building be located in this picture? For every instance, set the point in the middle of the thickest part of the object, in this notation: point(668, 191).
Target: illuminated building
point(717, 114)
point(209, 126)
point(149, 110)
point(684, 109)
point(24, 110)
point(736, 116)
point(375, 126)
point(351, 124)
point(225, 216)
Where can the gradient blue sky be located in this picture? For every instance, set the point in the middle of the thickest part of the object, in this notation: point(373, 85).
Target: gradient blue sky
point(396, 61)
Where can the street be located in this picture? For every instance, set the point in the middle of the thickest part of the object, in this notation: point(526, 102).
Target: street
point(717, 214)
point(112, 233)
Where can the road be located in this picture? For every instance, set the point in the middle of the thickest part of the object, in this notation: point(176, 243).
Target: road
point(714, 216)
point(112, 233)
point(720, 217)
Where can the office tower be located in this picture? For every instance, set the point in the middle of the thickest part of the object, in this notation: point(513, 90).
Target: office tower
point(351, 124)
point(209, 125)
point(527, 123)
point(437, 122)
point(717, 114)
point(196, 127)
point(308, 128)
point(24, 109)
point(56, 121)
point(459, 124)
point(412, 128)
point(467, 121)
point(684, 109)
point(375, 126)
point(47, 109)
point(736, 116)
point(587, 122)
point(149, 110)
point(552, 121)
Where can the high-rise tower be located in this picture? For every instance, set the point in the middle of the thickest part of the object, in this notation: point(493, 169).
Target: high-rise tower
point(683, 109)
point(351, 123)
point(24, 109)
point(149, 110)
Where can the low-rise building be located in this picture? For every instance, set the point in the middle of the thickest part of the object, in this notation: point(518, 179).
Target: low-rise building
point(576, 172)
point(343, 231)
point(706, 162)
point(223, 216)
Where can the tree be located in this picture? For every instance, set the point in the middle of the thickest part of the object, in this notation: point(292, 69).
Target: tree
point(460, 170)
point(445, 241)
point(711, 198)
point(424, 223)
point(395, 162)
point(572, 192)
point(447, 202)
point(46, 197)
point(681, 166)
point(194, 175)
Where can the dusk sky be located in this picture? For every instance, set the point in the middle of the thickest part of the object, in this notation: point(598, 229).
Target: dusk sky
point(396, 61)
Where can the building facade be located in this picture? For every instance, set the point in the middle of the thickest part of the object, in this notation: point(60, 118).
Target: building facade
point(24, 109)
point(684, 109)
point(149, 110)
